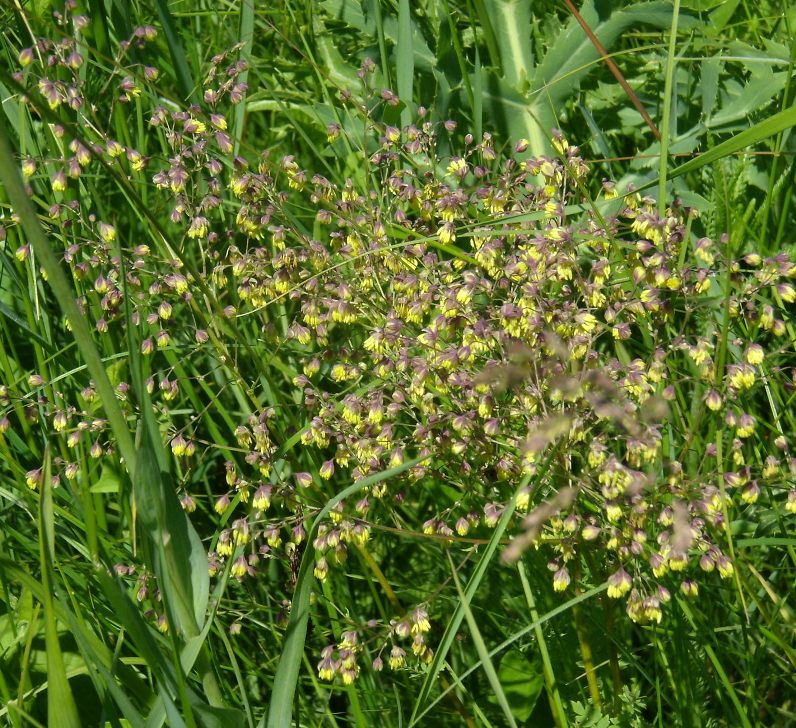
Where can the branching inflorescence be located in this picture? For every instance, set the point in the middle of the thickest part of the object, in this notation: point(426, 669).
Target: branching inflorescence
point(486, 312)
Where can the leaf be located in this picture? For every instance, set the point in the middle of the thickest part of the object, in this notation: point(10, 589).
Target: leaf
point(511, 21)
point(480, 646)
point(759, 132)
point(181, 68)
point(710, 71)
point(535, 624)
point(245, 39)
point(405, 62)
point(341, 74)
point(18, 322)
point(108, 482)
point(65, 295)
point(739, 101)
point(570, 58)
point(472, 587)
point(181, 561)
point(522, 683)
point(61, 707)
point(350, 12)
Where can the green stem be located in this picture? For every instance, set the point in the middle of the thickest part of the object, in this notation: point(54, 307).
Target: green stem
point(551, 686)
point(667, 109)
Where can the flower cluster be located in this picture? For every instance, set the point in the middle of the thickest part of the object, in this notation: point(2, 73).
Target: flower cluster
point(535, 343)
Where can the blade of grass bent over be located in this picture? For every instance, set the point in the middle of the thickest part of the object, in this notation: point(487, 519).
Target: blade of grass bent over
point(280, 709)
point(9, 176)
point(475, 581)
point(480, 647)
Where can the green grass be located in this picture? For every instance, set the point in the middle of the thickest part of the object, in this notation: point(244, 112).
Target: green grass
point(337, 388)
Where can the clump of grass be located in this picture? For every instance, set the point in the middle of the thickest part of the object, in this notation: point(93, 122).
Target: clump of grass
point(455, 345)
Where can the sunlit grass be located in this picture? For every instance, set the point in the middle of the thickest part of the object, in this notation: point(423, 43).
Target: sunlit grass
point(337, 389)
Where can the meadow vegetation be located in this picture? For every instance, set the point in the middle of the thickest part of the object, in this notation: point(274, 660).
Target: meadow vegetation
point(383, 363)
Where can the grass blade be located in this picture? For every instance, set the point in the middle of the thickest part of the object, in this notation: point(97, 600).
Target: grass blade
point(475, 580)
point(9, 176)
point(481, 648)
point(535, 624)
point(773, 125)
point(61, 707)
point(405, 62)
point(245, 37)
point(556, 706)
point(667, 108)
point(717, 666)
point(181, 68)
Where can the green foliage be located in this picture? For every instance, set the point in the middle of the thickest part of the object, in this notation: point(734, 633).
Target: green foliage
point(312, 330)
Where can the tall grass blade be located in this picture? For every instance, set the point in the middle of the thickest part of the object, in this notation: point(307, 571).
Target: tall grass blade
point(61, 707)
point(531, 627)
point(405, 62)
point(245, 39)
point(759, 132)
point(9, 176)
point(181, 560)
point(182, 70)
point(668, 100)
point(472, 586)
point(480, 646)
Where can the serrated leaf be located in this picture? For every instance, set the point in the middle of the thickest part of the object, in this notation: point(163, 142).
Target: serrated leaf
point(351, 13)
point(511, 21)
point(570, 57)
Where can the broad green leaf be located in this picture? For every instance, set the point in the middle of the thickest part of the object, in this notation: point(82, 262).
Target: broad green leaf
point(522, 682)
point(511, 21)
point(701, 6)
point(341, 74)
point(761, 87)
point(351, 13)
point(709, 74)
point(569, 58)
point(108, 482)
point(175, 541)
